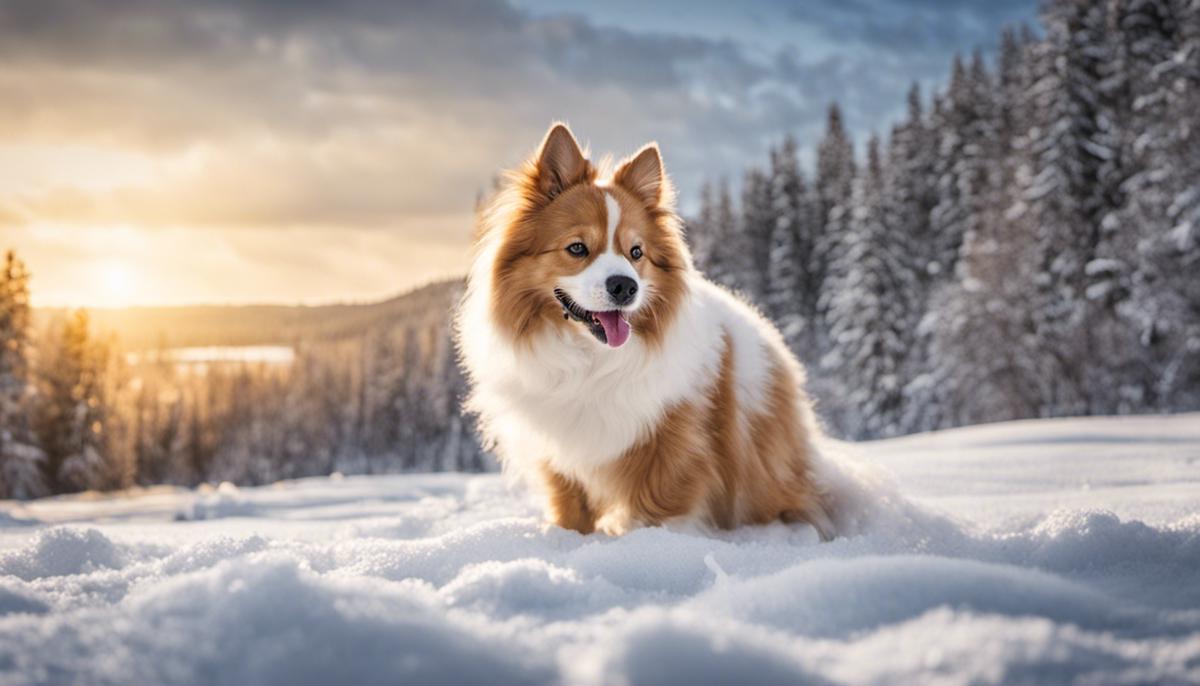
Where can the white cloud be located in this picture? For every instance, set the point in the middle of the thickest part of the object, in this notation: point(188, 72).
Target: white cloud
point(227, 116)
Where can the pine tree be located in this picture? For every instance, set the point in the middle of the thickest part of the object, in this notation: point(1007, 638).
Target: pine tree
point(1012, 80)
point(911, 191)
point(20, 460)
point(1171, 254)
point(980, 360)
point(1064, 197)
point(867, 322)
point(791, 244)
point(14, 342)
point(1127, 272)
point(71, 415)
point(728, 256)
point(700, 231)
point(909, 196)
point(758, 225)
point(966, 133)
point(834, 188)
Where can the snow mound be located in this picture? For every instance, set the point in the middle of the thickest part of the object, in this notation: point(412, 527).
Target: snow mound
point(62, 552)
point(224, 501)
point(1001, 568)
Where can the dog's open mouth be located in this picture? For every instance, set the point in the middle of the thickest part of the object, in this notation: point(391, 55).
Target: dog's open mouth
point(608, 327)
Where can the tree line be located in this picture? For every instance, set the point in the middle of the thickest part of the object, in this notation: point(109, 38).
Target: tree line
point(77, 412)
point(1025, 244)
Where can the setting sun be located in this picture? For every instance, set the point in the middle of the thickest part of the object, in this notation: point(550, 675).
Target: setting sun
point(116, 283)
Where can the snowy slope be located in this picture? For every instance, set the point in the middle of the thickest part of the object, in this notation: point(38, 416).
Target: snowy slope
point(1055, 551)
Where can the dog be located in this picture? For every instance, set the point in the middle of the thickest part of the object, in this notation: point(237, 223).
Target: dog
point(605, 367)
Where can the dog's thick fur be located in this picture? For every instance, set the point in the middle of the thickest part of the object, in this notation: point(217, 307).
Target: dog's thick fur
point(700, 418)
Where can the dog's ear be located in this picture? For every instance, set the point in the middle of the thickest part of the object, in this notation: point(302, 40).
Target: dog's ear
point(643, 176)
point(560, 162)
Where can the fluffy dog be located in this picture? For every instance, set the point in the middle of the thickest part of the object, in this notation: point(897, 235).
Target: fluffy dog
point(602, 362)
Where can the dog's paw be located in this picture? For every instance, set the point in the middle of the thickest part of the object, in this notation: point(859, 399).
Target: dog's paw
point(617, 522)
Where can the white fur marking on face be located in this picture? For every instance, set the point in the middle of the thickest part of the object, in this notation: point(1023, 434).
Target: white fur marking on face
point(614, 218)
point(588, 287)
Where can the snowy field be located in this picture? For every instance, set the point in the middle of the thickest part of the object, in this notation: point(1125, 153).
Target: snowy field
point(1058, 551)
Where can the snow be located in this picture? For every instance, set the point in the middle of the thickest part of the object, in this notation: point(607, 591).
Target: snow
point(1052, 551)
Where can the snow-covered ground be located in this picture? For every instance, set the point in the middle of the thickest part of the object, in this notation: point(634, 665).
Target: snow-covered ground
point(1057, 551)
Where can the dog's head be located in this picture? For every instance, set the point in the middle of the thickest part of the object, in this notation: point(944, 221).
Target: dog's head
point(602, 259)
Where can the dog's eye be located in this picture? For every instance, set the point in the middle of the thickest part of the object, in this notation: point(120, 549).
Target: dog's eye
point(636, 253)
point(577, 249)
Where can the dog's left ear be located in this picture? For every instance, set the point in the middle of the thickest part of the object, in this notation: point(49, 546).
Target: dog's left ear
point(643, 176)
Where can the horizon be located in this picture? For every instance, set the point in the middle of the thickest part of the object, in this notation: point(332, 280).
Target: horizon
point(267, 153)
point(315, 304)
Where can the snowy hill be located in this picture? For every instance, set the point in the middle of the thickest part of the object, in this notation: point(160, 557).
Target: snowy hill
point(1054, 551)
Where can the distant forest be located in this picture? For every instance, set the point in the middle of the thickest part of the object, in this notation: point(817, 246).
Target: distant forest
point(371, 389)
point(1024, 243)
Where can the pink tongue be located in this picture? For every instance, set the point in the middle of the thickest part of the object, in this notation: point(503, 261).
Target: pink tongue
point(616, 329)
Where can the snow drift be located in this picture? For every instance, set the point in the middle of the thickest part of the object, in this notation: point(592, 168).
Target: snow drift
point(1061, 551)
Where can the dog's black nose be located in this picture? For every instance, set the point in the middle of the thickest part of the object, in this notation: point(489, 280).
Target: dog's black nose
point(621, 289)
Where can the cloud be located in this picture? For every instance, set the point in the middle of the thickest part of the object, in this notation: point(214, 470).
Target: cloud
point(315, 113)
point(382, 116)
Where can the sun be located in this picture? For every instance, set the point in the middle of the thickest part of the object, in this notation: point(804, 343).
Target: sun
point(116, 283)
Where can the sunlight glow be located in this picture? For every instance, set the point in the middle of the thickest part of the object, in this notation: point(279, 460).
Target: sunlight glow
point(116, 283)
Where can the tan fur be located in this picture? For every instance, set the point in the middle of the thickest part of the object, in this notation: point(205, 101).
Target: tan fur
point(740, 470)
point(568, 503)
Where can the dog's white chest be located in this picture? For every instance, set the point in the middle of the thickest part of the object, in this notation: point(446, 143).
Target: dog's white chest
point(591, 408)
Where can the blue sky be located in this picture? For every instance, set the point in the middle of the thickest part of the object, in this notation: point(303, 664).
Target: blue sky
point(326, 151)
point(862, 53)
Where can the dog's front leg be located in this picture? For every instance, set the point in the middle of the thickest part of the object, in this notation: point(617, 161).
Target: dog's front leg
point(568, 503)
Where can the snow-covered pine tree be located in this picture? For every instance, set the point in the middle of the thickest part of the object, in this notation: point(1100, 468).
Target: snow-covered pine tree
point(1012, 80)
point(964, 124)
point(981, 339)
point(388, 431)
point(72, 411)
point(758, 225)
point(947, 219)
point(780, 286)
point(1172, 254)
point(728, 251)
point(965, 130)
point(867, 322)
point(909, 196)
point(982, 362)
point(787, 296)
point(910, 191)
point(1135, 36)
point(700, 229)
point(834, 186)
point(1131, 132)
point(158, 426)
point(20, 460)
point(1063, 194)
point(14, 343)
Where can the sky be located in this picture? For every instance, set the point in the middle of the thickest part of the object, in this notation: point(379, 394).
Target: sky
point(301, 151)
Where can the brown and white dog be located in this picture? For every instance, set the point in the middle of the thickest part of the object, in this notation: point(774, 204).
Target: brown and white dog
point(637, 391)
